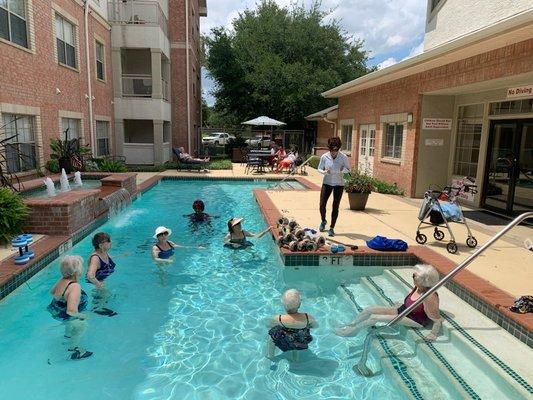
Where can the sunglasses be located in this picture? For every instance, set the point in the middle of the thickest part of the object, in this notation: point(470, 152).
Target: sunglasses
point(163, 233)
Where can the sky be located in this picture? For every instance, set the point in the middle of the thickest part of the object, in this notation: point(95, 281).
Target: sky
point(392, 30)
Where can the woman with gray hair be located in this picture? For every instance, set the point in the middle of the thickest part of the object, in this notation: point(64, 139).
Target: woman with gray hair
point(68, 302)
point(424, 277)
point(290, 331)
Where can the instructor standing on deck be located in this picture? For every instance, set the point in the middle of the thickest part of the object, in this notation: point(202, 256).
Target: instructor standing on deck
point(332, 165)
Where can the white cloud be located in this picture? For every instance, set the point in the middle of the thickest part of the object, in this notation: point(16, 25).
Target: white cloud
point(416, 50)
point(387, 63)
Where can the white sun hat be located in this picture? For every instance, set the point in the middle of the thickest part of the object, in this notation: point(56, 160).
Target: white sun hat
point(160, 230)
point(236, 221)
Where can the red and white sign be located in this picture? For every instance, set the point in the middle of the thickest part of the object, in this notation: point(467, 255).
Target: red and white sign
point(520, 91)
point(437, 123)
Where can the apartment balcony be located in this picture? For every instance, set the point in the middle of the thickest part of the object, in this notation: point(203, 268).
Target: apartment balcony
point(138, 24)
point(146, 142)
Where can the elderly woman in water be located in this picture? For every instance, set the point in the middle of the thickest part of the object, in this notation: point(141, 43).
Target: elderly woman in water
point(236, 238)
point(290, 331)
point(424, 315)
point(68, 302)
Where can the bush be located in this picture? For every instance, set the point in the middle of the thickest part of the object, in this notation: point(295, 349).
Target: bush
point(52, 166)
point(355, 182)
point(13, 212)
point(221, 164)
point(112, 166)
point(149, 168)
point(387, 188)
point(313, 162)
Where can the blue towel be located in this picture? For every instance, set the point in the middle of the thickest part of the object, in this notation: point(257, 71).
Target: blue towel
point(384, 244)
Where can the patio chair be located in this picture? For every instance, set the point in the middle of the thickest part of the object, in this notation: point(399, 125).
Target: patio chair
point(185, 166)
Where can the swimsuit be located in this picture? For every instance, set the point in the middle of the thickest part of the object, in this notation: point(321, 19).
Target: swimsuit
point(194, 217)
point(240, 241)
point(165, 254)
point(291, 338)
point(106, 268)
point(58, 307)
point(418, 314)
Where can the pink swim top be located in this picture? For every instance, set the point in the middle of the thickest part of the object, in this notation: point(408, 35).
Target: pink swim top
point(418, 314)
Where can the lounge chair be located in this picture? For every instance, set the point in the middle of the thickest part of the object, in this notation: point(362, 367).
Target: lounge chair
point(185, 166)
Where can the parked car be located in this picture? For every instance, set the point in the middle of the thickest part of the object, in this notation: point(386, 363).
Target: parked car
point(217, 138)
point(259, 141)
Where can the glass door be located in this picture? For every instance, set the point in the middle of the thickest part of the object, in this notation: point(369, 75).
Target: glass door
point(367, 140)
point(508, 178)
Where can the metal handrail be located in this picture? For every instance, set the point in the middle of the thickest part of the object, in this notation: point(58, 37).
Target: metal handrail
point(361, 367)
point(291, 173)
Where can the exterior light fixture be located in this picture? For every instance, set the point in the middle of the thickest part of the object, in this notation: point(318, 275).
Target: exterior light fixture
point(410, 117)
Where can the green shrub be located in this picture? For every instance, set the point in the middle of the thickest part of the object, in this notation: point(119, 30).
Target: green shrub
point(13, 212)
point(52, 166)
point(112, 166)
point(355, 182)
point(387, 188)
point(313, 162)
point(220, 164)
point(148, 168)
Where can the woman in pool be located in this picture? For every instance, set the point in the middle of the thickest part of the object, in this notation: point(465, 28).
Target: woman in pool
point(424, 278)
point(199, 215)
point(290, 331)
point(163, 250)
point(101, 266)
point(236, 237)
point(68, 303)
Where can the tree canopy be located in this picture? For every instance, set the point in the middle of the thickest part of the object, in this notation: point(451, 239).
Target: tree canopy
point(277, 60)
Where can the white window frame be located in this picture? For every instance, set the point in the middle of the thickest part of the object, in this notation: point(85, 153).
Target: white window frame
point(384, 147)
point(5, 6)
point(98, 42)
point(60, 36)
point(11, 120)
point(100, 137)
point(348, 141)
point(70, 122)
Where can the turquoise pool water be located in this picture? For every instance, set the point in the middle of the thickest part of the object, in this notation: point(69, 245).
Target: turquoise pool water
point(197, 329)
point(41, 192)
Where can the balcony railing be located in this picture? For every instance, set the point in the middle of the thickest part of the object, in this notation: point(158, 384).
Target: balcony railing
point(136, 85)
point(166, 89)
point(137, 13)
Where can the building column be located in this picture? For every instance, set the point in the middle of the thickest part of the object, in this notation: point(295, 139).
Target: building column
point(116, 64)
point(157, 85)
point(158, 142)
point(119, 137)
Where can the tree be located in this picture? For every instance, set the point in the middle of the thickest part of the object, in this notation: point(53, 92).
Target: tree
point(277, 60)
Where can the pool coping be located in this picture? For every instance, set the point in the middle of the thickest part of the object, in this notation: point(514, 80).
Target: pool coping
point(479, 293)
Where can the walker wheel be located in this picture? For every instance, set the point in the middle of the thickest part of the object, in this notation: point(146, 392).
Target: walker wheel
point(471, 242)
point(438, 234)
point(451, 247)
point(421, 238)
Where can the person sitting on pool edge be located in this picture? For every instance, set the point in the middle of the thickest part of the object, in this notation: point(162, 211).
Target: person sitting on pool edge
point(290, 331)
point(424, 278)
point(163, 250)
point(236, 236)
point(68, 302)
point(101, 266)
point(199, 215)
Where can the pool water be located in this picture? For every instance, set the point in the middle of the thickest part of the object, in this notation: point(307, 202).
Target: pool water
point(197, 328)
point(41, 192)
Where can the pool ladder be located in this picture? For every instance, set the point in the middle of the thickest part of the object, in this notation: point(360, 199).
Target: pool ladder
point(361, 367)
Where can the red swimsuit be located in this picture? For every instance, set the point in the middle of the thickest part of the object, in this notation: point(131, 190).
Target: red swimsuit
point(418, 314)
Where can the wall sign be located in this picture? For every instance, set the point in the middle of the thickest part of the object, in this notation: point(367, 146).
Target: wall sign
point(437, 123)
point(434, 142)
point(520, 91)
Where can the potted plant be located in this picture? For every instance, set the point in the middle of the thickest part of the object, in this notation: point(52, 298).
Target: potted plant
point(358, 186)
point(13, 213)
point(68, 153)
point(234, 148)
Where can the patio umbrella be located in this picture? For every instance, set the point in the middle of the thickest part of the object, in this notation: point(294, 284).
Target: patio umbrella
point(263, 121)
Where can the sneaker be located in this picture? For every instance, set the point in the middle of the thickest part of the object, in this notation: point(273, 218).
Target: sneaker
point(322, 226)
point(331, 232)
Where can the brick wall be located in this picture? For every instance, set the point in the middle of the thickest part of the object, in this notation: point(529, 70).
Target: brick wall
point(30, 78)
point(324, 131)
point(405, 96)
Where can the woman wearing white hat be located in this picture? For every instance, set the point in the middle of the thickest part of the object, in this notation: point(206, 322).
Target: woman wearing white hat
point(236, 237)
point(163, 250)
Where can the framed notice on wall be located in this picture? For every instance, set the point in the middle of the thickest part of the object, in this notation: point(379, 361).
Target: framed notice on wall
point(437, 123)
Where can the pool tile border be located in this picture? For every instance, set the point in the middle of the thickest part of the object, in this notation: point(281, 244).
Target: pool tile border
point(481, 294)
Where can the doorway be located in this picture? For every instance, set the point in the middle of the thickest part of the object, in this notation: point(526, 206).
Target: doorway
point(367, 143)
point(508, 185)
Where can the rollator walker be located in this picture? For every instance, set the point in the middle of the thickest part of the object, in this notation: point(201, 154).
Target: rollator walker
point(442, 208)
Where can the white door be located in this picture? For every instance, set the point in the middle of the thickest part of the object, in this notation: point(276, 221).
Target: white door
point(367, 143)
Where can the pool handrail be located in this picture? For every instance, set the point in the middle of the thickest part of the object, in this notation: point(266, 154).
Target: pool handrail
point(361, 367)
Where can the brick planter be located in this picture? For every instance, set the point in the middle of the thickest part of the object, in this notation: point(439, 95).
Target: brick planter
point(127, 181)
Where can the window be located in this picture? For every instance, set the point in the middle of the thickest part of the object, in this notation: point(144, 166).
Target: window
point(469, 124)
point(20, 150)
point(346, 137)
point(393, 141)
point(100, 74)
point(102, 138)
point(66, 42)
point(13, 22)
point(70, 128)
point(524, 106)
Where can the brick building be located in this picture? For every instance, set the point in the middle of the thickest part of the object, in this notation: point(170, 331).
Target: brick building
point(44, 84)
point(464, 107)
point(156, 68)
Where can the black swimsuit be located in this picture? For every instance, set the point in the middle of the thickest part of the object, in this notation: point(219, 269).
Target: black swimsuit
point(286, 338)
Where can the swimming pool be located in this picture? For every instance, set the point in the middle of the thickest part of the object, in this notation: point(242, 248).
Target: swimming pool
point(197, 331)
point(41, 192)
